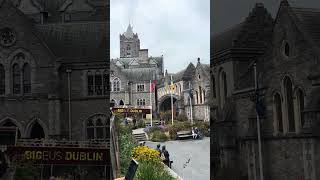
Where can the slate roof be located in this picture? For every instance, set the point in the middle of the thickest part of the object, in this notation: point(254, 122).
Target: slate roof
point(309, 21)
point(139, 74)
point(185, 74)
point(74, 42)
point(224, 40)
point(130, 61)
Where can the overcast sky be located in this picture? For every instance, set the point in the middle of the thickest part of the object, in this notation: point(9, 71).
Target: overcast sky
point(177, 29)
point(226, 13)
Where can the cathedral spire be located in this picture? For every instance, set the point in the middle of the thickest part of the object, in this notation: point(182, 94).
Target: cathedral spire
point(129, 32)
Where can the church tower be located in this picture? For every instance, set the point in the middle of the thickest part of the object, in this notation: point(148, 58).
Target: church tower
point(129, 44)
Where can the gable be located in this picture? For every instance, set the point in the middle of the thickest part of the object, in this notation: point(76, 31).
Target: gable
point(26, 36)
point(28, 7)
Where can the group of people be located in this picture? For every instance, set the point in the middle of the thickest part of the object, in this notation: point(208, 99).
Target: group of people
point(195, 133)
point(164, 154)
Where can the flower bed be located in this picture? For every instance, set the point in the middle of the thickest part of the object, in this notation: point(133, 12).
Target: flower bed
point(150, 165)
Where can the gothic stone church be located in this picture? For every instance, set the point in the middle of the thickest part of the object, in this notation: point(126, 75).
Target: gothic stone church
point(132, 73)
point(286, 50)
point(53, 66)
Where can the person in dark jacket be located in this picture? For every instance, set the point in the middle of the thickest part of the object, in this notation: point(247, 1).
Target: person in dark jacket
point(134, 122)
point(166, 155)
point(159, 150)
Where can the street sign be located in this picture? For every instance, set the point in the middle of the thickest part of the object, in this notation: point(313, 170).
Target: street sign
point(60, 155)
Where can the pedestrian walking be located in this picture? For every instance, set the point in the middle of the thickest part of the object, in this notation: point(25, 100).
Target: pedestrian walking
point(134, 122)
point(166, 155)
point(159, 150)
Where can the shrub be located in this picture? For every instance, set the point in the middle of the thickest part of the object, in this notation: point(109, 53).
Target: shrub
point(178, 126)
point(203, 127)
point(141, 123)
point(154, 128)
point(148, 170)
point(159, 136)
point(126, 145)
point(150, 166)
point(182, 117)
point(143, 153)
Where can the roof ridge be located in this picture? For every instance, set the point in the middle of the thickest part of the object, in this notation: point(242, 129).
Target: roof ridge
point(228, 29)
point(306, 9)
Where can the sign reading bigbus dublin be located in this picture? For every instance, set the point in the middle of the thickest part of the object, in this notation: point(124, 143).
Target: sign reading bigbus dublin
point(63, 155)
point(131, 110)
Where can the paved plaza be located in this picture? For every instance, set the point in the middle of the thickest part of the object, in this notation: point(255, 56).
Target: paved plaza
point(198, 151)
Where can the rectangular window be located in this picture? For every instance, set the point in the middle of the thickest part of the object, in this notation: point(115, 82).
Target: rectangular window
point(106, 84)
point(140, 88)
point(90, 85)
point(98, 84)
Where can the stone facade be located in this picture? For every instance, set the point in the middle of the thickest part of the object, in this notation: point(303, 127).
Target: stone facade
point(133, 74)
point(196, 78)
point(57, 52)
point(286, 51)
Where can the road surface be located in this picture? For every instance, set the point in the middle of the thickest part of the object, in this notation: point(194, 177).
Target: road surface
point(198, 151)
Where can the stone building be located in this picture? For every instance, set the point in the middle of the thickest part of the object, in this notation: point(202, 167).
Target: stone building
point(196, 78)
point(132, 73)
point(53, 68)
point(286, 51)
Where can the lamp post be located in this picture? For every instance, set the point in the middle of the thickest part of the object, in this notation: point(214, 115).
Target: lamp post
point(69, 101)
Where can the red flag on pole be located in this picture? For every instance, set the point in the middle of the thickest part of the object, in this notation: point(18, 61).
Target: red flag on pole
point(153, 85)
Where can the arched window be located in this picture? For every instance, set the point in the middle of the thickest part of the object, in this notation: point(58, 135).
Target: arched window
point(197, 99)
point(37, 131)
point(99, 129)
point(116, 84)
point(2, 80)
point(289, 103)
point(9, 123)
point(225, 87)
point(300, 103)
point(106, 83)
point(112, 103)
point(96, 128)
point(121, 103)
point(214, 93)
point(200, 93)
point(98, 83)
point(287, 49)
point(16, 77)
point(278, 112)
point(26, 78)
point(90, 83)
point(90, 129)
point(204, 96)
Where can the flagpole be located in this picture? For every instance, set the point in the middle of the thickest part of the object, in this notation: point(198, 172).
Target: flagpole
point(171, 101)
point(151, 102)
point(258, 124)
point(191, 116)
